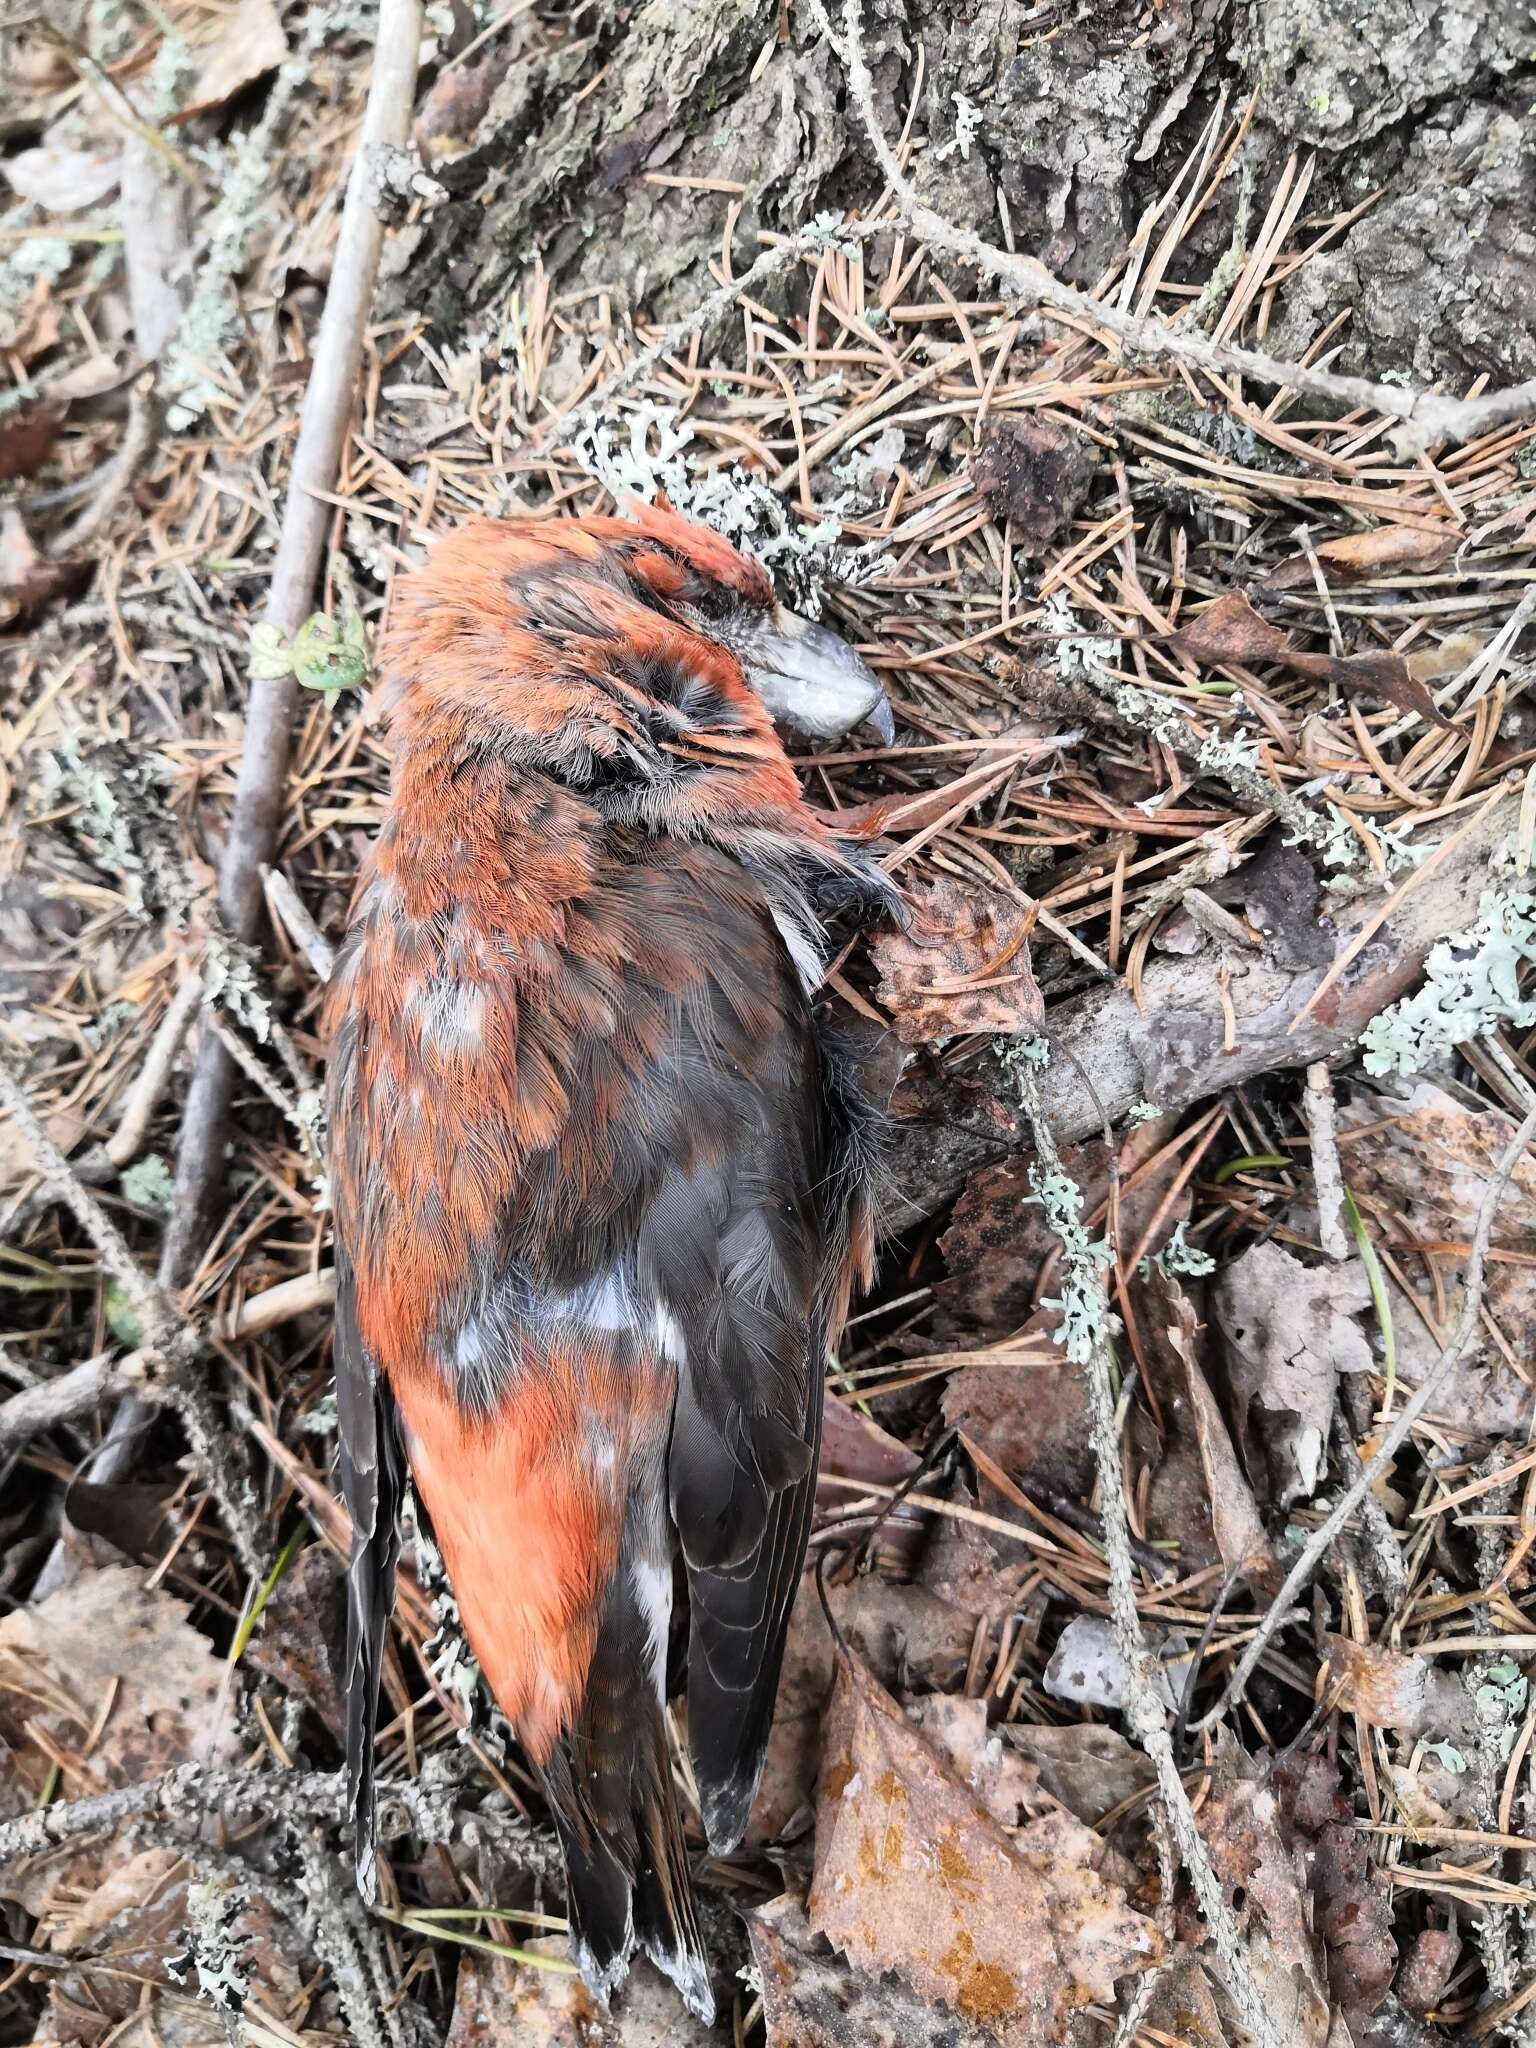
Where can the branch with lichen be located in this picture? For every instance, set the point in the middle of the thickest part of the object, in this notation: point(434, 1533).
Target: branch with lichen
point(1088, 1331)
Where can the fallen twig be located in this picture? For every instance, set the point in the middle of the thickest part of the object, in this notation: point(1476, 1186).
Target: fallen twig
point(144, 1097)
point(171, 1343)
point(73, 1394)
point(1145, 1714)
point(184, 1797)
point(1327, 1180)
point(328, 401)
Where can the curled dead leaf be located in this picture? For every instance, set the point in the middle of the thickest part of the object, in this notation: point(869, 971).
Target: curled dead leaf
point(813, 1998)
point(1389, 1690)
point(1383, 551)
point(106, 1647)
point(27, 437)
point(1287, 1331)
point(962, 967)
point(914, 1875)
point(1230, 631)
point(238, 48)
point(1236, 1522)
point(28, 579)
point(62, 180)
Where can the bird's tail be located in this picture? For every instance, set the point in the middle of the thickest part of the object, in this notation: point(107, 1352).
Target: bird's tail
point(609, 1786)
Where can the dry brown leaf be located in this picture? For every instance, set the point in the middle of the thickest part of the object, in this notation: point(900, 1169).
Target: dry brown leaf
point(1236, 1523)
point(1091, 1769)
point(962, 967)
point(62, 180)
point(1384, 551)
point(1390, 1690)
point(812, 1998)
point(1387, 676)
point(1265, 1886)
point(1031, 1420)
point(299, 1637)
point(1006, 1784)
point(243, 45)
point(459, 100)
point(1230, 631)
point(27, 437)
point(913, 1875)
point(910, 1638)
point(1427, 1970)
point(1351, 1913)
point(1287, 1331)
point(1420, 1163)
point(496, 2002)
point(855, 1447)
point(105, 1644)
point(28, 580)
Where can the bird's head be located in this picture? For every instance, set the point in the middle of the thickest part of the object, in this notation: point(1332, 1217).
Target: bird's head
point(622, 655)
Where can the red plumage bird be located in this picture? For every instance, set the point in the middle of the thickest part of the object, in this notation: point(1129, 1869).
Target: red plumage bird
point(601, 1171)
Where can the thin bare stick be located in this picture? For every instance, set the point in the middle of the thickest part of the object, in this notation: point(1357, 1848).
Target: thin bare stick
point(293, 913)
point(160, 1320)
point(1327, 1180)
point(329, 398)
point(154, 1077)
point(1428, 419)
point(185, 1796)
point(1322, 1538)
point(36, 1410)
point(1145, 1714)
point(171, 1343)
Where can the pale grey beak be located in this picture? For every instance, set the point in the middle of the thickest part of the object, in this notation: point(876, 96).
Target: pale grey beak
point(812, 682)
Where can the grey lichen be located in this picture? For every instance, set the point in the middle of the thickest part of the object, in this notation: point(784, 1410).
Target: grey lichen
point(1086, 1319)
point(967, 127)
point(214, 1952)
point(650, 453)
point(1179, 1257)
point(1471, 987)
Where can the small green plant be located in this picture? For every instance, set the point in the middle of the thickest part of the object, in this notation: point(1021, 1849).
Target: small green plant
point(323, 654)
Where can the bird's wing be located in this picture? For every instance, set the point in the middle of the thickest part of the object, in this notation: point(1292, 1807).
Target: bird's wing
point(372, 1482)
point(746, 1251)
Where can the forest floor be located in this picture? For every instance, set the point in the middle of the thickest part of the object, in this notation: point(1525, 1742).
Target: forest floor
point(1163, 1674)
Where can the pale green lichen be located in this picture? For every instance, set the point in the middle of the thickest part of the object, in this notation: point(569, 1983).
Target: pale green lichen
point(1177, 1257)
point(1080, 1303)
point(230, 977)
point(214, 1954)
point(1226, 754)
point(1086, 1320)
point(148, 1183)
point(967, 127)
point(650, 454)
point(1078, 654)
point(1471, 987)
